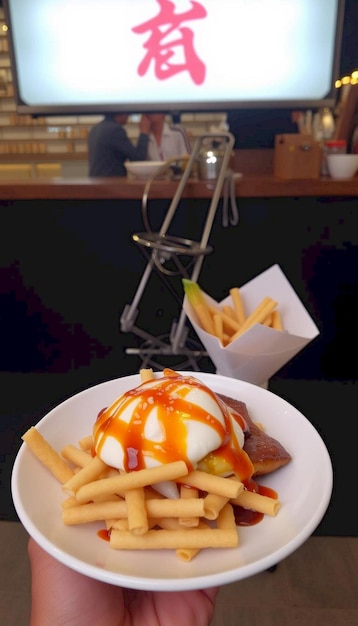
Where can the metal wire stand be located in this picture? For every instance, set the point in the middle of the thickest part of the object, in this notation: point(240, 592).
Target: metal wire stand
point(169, 256)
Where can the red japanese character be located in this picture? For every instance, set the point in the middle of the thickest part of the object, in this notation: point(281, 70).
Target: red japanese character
point(163, 43)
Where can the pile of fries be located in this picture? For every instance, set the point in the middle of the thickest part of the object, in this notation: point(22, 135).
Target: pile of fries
point(228, 322)
point(134, 514)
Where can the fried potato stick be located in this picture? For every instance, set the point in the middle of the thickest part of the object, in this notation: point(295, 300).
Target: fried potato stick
point(146, 374)
point(170, 523)
point(211, 483)
point(86, 443)
point(188, 492)
point(257, 502)
point(218, 327)
point(137, 512)
point(78, 457)
point(47, 455)
point(277, 320)
point(193, 507)
point(123, 482)
point(238, 304)
point(256, 317)
point(229, 325)
point(88, 473)
point(196, 538)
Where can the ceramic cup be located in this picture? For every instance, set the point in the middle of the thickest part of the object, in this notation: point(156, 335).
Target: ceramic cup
point(342, 165)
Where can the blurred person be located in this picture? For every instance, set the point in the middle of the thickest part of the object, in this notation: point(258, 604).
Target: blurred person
point(166, 141)
point(60, 595)
point(109, 145)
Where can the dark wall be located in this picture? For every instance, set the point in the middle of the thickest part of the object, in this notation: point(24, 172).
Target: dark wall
point(349, 52)
point(69, 268)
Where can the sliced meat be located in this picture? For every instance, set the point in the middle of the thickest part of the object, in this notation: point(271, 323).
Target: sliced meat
point(266, 453)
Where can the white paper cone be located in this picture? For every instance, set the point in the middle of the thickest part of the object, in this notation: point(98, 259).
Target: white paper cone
point(260, 352)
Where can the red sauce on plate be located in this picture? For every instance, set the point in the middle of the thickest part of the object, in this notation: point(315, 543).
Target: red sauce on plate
point(246, 517)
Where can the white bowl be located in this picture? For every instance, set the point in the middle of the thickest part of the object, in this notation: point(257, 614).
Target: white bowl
point(143, 169)
point(304, 487)
point(342, 165)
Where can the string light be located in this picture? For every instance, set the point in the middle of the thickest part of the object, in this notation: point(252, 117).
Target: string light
point(347, 80)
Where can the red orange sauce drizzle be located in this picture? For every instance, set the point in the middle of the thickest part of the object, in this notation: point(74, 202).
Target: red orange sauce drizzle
point(103, 534)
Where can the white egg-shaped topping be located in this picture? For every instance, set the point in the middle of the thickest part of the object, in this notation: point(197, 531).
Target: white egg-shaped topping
point(164, 419)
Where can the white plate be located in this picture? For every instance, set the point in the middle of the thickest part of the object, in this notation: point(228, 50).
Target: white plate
point(304, 487)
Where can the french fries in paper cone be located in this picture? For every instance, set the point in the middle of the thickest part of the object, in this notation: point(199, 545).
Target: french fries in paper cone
point(261, 350)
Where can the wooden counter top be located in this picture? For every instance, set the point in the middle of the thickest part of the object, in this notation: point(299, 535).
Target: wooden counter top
point(270, 187)
point(248, 186)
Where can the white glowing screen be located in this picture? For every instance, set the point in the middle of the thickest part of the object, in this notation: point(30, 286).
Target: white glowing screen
point(144, 52)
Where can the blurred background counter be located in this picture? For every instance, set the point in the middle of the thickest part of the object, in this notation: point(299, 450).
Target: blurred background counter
point(257, 180)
